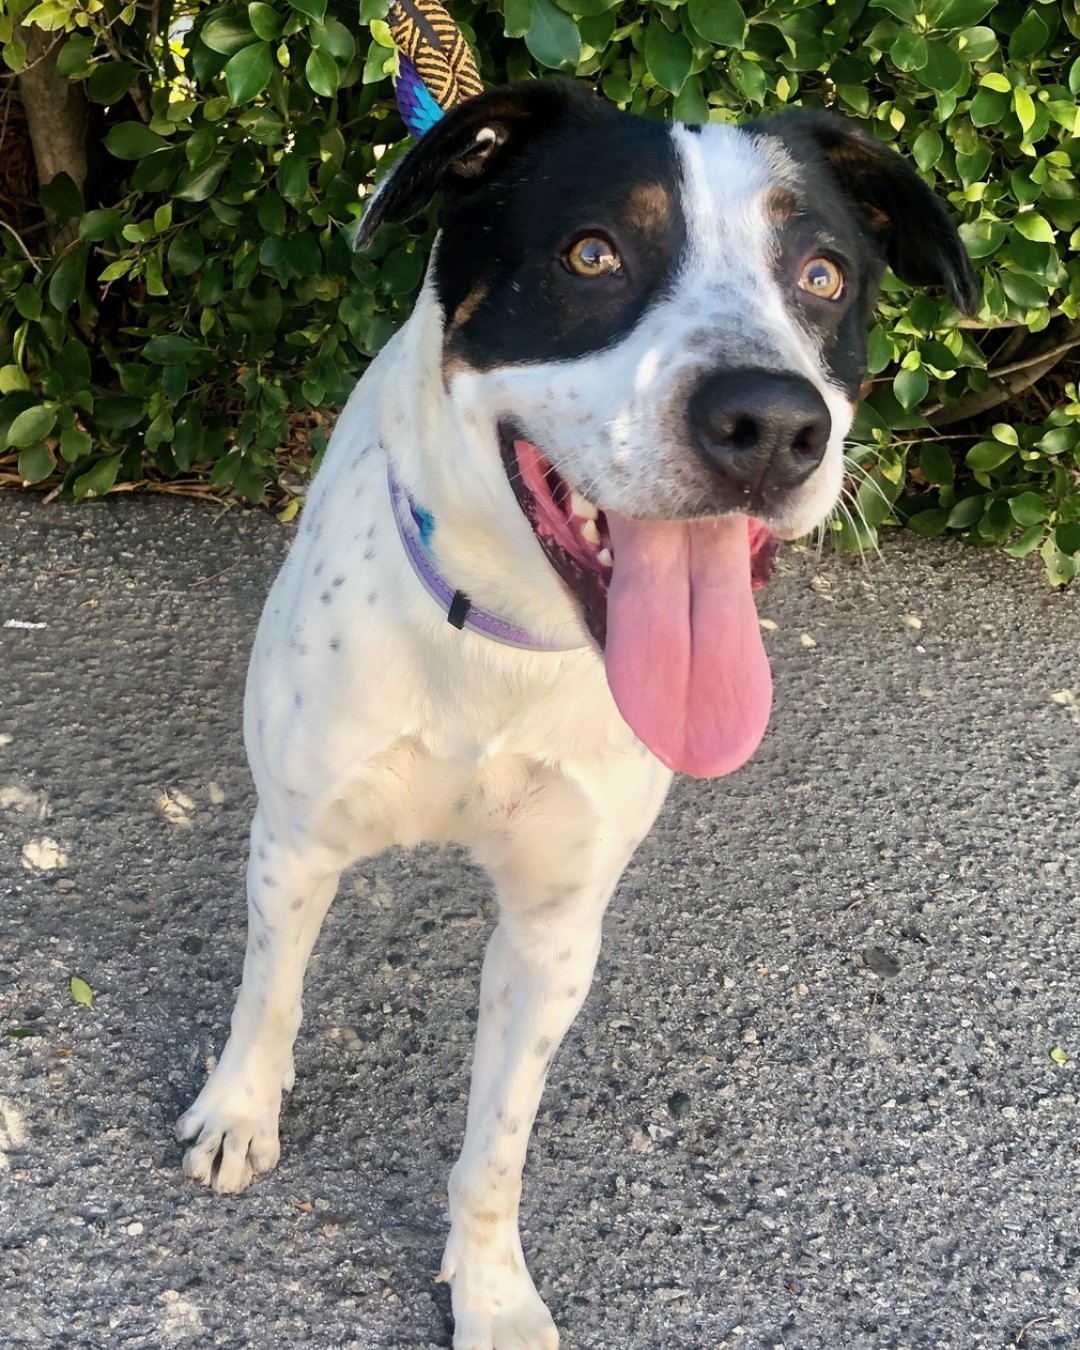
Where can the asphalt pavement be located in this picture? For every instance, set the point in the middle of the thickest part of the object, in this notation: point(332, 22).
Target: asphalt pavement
point(823, 1095)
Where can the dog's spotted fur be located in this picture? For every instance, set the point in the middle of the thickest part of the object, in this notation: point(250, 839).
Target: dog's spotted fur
point(370, 721)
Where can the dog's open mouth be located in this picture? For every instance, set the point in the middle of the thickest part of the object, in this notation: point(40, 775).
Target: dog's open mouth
point(670, 603)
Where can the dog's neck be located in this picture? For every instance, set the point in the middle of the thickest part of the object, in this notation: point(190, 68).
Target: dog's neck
point(442, 443)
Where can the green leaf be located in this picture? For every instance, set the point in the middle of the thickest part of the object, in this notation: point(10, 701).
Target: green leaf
point(1025, 109)
point(1027, 543)
point(961, 13)
point(266, 22)
point(119, 412)
point(248, 72)
point(944, 69)
point(553, 38)
point(749, 78)
point(909, 51)
point(988, 455)
point(81, 992)
point(691, 105)
point(904, 10)
point(196, 185)
point(99, 480)
point(1067, 538)
point(983, 237)
point(879, 352)
point(935, 464)
point(61, 197)
point(965, 513)
point(169, 349)
point(1030, 37)
point(322, 74)
point(133, 140)
point(186, 253)
point(930, 523)
point(28, 302)
point(110, 81)
point(1028, 508)
point(75, 444)
point(1035, 227)
point(517, 17)
point(722, 22)
point(227, 32)
point(36, 462)
point(987, 108)
point(32, 424)
point(1024, 291)
point(98, 225)
point(66, 283)
point(910, 387)
point(334, 39)
point(13, 378)
point(927, 148)
point(314, 9)
point(668, 57)
point(74, 55)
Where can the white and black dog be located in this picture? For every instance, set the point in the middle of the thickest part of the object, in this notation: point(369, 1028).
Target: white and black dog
point(521, 593)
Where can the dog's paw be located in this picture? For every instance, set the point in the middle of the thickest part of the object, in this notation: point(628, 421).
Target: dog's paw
point(524, 1324)
point(496, 1307)
point(234, 1138)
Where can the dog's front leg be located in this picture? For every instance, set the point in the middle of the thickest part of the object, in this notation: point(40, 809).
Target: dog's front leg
point(234, 1122)
point(553, 890)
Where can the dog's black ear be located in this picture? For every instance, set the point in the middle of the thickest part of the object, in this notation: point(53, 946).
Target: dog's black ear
point(471, 142)
point(914, 232)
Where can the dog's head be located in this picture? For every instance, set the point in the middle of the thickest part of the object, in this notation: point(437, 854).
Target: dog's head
point(663, 327)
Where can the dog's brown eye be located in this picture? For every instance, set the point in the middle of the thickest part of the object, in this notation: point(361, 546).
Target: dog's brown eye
point(593, 257)
point(822, 277)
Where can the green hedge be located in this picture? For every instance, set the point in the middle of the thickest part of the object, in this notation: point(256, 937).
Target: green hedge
point(209, 293)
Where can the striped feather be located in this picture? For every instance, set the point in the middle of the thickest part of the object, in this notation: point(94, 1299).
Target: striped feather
point(432, 49)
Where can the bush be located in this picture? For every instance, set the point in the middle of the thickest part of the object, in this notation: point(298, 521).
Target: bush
point(199, 298)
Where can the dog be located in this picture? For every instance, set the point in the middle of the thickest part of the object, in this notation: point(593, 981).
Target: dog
point(521, 594)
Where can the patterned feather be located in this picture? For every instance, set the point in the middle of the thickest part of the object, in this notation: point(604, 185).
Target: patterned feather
point(418, 109)
point(436, 69)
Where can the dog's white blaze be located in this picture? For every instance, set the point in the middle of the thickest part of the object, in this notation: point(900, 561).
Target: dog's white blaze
point(614, 422)
point(727, 176)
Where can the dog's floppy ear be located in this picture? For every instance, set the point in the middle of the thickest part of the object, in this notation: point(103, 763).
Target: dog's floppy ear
point(471, 142)
point(914, 232)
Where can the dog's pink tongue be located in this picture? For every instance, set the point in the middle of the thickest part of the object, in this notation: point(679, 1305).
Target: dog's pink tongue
point(684, 655)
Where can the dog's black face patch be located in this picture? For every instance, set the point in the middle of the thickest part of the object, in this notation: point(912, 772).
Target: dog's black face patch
point(501, 274)
point(856, 182)
point(816, 222)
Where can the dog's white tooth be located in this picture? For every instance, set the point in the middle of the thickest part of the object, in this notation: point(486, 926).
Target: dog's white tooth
point(590, 533)
point(604, 557)
point(581, 506)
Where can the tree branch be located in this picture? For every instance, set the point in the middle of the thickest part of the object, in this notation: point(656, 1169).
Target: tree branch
point(1009, 380)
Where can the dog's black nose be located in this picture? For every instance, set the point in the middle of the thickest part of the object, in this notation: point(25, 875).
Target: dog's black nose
point(760, 430)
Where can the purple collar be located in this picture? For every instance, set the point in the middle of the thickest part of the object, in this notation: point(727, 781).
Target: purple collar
point(416, 526)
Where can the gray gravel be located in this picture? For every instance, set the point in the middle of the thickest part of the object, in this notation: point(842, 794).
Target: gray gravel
point(811, 1102)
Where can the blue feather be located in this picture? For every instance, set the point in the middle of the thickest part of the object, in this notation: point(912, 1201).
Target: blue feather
point(419, 111)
